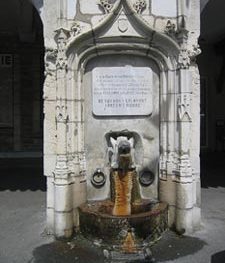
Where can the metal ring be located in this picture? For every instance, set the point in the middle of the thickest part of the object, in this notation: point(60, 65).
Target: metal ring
point(146, 178)
point(98, 179)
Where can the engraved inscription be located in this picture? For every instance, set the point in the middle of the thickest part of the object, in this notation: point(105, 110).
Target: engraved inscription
point(122, 91)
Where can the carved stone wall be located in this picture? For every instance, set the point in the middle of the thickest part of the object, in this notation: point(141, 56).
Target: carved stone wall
point(109, 28)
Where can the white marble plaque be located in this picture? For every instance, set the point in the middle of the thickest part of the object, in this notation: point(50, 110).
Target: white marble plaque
point(122, 91)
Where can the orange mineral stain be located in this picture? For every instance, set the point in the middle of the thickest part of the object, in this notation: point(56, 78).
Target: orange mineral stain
point(129, 245)
point(123, 186)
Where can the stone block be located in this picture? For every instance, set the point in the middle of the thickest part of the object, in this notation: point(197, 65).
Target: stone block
point(196, 218)
point(171, 216)
point(184, 195)
point(168, 107)
point(79, 192)
point(167, 191)
point(63, 198)
point(184, 220)
point(49, 164)
point(164, 8)
point(71, 8)
point(185, 81)
point(76, 218)
point(63, 226)
point(50, 17)
point(50, 192)
point(89, 7)
point(50, 215)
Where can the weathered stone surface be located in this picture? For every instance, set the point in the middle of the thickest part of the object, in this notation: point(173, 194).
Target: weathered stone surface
point(150, 42)
point(97, 221)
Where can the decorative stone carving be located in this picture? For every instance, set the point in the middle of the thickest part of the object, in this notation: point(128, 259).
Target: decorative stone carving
point(50, 61)
point(122, 25)
point(62, 35)
point(184, 107)
point(186, 57)
point(82, 162)
point(50, 73)
point(73, 136)
point(184, 60)
point(115, 149)
point(184, 167)
point(170, 163)
point(61, 114)
point(61, 168)
point(139, 6)
point(194, 52)
point(75, 29)
point(170, 28)
point(105, 5)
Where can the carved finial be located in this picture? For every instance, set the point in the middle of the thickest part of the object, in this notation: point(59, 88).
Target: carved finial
point(50, 61)
point(139, 6)
point(194, 52)
point(170, 28)
point(184, 60)
point(61, 37)
point(75, 29)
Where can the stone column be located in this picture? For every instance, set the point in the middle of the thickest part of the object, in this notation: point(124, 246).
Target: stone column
point(177, 179)
point(184, 178)
point(63, 206)
point(62, 13)
point(185, 200)
point(181, 13)
point(167, 189)
point(49, 97)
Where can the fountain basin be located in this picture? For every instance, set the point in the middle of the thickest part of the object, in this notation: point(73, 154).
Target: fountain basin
point(147, 221)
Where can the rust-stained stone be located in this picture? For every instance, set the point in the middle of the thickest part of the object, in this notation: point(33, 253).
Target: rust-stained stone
point(149, 221)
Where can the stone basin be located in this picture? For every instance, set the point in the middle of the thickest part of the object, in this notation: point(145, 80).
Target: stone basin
point(147, 221)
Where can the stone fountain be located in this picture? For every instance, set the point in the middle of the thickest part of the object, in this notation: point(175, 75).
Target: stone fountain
point(126, 225)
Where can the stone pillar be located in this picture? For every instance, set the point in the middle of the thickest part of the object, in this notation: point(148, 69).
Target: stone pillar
point(178, 185)
point(62, 13)
point(63, 224)
point(184, 178)
point(49, 97)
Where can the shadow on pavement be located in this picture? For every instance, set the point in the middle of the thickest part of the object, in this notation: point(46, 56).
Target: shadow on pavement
point(22, 174)
point(173, 246)
point(80, 250)
point(69, 252)
point(218, 257)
